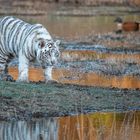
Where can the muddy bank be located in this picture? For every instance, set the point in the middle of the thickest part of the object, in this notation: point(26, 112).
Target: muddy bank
point(120, 42)
point(108, 53)
point(20, 101)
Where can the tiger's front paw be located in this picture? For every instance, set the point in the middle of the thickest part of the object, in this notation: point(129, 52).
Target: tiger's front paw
point(20, 79)
point(23, 76)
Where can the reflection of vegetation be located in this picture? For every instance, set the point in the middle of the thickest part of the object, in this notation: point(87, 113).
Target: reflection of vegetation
point(104, 119)
point(107, 119)
point(98, 126)
point(45, 129)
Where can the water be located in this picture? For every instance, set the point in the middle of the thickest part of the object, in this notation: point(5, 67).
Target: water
point(70, 27)
point(32, 130)
point(97, 126)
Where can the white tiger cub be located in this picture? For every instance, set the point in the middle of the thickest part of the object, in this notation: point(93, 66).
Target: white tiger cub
point(28, 43)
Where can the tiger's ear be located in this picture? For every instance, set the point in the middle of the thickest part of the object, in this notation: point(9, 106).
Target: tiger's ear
point(58, 43)
point(41, 44)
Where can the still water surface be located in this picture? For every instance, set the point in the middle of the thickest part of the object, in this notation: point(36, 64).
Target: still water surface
point(97, 126)
point(71, 27)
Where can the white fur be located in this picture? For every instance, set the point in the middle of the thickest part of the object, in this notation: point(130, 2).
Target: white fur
point(23, 68)
point(25, 43)
point(48, 74)
point(24, 63)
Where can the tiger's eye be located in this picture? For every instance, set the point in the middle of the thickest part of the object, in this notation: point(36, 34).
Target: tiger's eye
point(49, 45)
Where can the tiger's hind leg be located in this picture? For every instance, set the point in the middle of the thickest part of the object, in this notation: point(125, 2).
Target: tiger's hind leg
point(4, 73)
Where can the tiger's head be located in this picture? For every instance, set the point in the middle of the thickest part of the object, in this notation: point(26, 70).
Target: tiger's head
point(48, 53)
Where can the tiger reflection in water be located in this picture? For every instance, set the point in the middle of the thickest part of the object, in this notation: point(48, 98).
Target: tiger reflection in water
point(28, 43)
point(38, 129)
